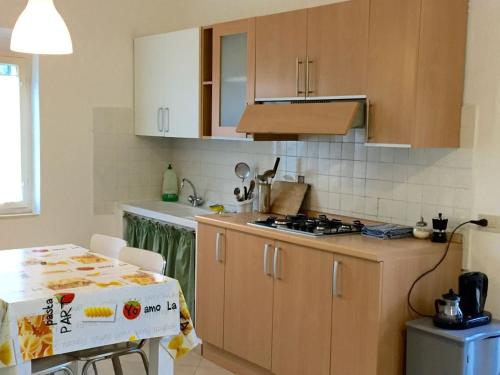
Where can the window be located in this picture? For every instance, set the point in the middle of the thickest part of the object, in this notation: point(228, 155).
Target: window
point(16, 137)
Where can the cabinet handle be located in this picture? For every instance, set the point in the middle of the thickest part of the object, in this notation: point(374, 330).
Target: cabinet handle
point(308, 76)
point(370, 107)
point(335, 287)
point(266, 260)
point(218, 238)
point(277, 263)
point(159, 119)
point(297, 76)
point(167, 110)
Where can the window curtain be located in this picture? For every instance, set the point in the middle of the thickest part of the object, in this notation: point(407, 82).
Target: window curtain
point(175, 244)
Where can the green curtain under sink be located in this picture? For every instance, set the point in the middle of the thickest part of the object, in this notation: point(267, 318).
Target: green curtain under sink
point(175, 244)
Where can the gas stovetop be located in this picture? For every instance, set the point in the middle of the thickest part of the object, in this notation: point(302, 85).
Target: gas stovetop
point(310, 226)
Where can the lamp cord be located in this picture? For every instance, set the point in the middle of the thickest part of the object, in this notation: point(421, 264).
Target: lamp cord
point(410, 305)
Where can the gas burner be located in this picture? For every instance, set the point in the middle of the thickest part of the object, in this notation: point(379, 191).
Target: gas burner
point(311, 226)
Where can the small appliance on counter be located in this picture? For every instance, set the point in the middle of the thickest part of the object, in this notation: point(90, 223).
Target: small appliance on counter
point(465, 310)
point(439, 225)
point(421, 231)
point(170, 190)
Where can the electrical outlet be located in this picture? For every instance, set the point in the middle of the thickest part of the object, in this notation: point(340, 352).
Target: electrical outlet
point(493, 222)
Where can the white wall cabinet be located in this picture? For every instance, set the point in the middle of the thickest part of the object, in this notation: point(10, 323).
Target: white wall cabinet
point(167, 84)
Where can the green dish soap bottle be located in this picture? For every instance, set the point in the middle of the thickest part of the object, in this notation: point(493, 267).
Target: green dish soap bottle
point(170, 190)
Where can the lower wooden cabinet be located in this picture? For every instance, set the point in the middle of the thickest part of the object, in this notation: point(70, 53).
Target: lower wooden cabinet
point(355, 315)
point(302, 311)
point(210, 283)
point(248, 298)
point(270, 307)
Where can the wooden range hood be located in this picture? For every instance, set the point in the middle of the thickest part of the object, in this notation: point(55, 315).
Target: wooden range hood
point(323, 118)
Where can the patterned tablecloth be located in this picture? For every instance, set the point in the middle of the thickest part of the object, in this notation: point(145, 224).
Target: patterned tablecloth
point(60, 299)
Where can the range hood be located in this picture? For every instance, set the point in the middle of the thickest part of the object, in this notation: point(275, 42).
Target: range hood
point(318, 117)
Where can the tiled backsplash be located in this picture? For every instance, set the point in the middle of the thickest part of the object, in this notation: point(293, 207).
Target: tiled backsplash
point(387, 184)
point(126, 167)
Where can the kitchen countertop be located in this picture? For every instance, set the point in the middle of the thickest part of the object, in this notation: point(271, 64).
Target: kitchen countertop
point(350, 244)
point(169, 212)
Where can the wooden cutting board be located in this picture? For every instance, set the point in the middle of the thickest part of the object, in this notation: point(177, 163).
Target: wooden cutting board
point(287, 197)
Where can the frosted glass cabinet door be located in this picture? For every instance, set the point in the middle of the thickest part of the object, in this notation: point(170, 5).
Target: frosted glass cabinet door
point(233, 75)
point(233, 90)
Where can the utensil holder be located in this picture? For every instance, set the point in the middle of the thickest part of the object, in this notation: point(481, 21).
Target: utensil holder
point(245, 206)
point(264, 197)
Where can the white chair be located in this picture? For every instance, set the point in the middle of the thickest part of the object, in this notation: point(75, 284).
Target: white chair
point(149, 261)
point(106, 245)
point(145, 259)
point(52, 365)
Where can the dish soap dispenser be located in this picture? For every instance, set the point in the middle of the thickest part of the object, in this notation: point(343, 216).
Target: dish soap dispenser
point(170, 191)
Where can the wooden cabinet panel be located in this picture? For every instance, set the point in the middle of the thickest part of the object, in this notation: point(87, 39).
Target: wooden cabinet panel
point(302, 311)
point(233, 83)
point(248, 302)
point(210, 283)
point(355, 316)
point(337, 47)
point(441, 67)
point(392, 69)
point(280, 55)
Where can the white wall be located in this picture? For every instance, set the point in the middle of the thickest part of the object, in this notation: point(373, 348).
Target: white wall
point(483, 89)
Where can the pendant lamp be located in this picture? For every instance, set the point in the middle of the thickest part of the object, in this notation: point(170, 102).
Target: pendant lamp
point(41, 30)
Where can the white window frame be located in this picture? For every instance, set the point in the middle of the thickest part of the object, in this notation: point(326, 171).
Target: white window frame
point(27, 146)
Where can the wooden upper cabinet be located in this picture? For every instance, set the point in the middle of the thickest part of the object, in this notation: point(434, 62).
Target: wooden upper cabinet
point(440, 82)
point(211, 246)
point(416, 63)
point(302, 311)
point(281, 55)
point(355, 316)
point(337, 47)
point(248, 302)
point(233, 74)
point(392, 70)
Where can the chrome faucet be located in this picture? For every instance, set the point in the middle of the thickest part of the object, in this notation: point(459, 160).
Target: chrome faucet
point(194, 199)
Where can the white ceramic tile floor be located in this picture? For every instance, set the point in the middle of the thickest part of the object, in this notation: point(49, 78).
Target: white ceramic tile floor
point(191, 364)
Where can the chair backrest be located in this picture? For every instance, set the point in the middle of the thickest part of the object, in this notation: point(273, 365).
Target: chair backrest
point(145, 259)
point(106, 245)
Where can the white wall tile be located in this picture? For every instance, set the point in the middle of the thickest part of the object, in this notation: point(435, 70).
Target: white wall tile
point(359, 152)
point(324, 150)
point(347, 168)
point(335, 150)
point(348, 151)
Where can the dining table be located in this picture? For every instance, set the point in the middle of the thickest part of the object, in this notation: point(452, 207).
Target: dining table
point(63, 299)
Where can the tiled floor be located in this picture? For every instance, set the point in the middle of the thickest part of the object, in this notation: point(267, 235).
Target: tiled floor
point(191, 364)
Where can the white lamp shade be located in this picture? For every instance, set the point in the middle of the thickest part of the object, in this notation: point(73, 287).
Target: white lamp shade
point(40, 29)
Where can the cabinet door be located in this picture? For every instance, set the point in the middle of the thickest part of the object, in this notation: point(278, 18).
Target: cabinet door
point(233, 75)
point(248, 302)
point(392, 70)
point(211, 246)
point(355, 316)
point(440, 85)
point(149, 90)
point(280, 54)
point(302, 311)
point(182, 84)
point(337, 48)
